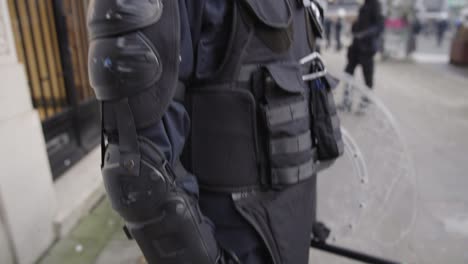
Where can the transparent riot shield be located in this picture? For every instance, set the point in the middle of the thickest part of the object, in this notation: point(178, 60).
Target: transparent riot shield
point(368, 197)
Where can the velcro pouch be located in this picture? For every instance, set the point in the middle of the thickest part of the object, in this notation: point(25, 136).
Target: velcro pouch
point(224, 138)
point(326, 125)
point(272, 22)
point(287, 118)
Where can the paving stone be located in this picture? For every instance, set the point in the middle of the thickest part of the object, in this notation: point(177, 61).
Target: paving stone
point(87, 240)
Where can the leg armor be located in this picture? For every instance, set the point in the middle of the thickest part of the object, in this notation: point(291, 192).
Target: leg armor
point(133, 66)
point(165, 221)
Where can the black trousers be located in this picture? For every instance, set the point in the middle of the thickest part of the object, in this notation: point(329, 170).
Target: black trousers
point(232, 231)
point(367, 63)
point(285, 216)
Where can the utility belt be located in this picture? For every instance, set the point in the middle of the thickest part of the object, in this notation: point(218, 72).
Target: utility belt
point(257, 132)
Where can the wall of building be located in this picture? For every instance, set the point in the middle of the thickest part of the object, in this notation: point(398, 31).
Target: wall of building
point(27, 197)
point(6, 256)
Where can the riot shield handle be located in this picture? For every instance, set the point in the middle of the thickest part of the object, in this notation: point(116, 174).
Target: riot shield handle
point(348, 253)
point(318, 241)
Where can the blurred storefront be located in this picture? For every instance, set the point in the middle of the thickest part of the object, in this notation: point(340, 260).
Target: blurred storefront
point(49, 121)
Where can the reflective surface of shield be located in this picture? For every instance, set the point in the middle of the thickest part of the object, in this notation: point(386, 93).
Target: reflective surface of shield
point(368, 197)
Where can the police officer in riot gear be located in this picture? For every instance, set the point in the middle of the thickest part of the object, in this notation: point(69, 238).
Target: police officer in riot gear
point(211, 138)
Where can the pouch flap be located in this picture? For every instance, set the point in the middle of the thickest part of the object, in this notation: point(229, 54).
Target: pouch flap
point(276, 13)
point(108, 18)
point(287, 76)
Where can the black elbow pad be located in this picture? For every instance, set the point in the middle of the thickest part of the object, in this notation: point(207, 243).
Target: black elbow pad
point(134, 54)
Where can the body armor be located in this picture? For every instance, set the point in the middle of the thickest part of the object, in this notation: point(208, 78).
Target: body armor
point(254, 116)
point(259, 130)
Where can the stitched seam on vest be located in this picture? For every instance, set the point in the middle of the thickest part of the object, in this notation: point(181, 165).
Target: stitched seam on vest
point(293, 175)
point(287, 113)
point(292, 144)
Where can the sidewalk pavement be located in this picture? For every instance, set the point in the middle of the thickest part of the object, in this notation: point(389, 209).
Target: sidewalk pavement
point(453, 70)
point(98, 239)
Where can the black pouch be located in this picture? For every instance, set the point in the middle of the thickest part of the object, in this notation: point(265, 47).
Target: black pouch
point(326, 123)
point(224, 137)
point(287, 119)
point(272, 21)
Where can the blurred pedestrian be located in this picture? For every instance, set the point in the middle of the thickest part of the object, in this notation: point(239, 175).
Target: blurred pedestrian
point(366, 35)
point(441, 28)
point(339, 28)
point(327, 28)
point(414, 29)
point(327, 23)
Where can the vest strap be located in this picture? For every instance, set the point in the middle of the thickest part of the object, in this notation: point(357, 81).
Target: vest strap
point(292, 144)
point(287, 113)
point(128, 141)
point(293, 175)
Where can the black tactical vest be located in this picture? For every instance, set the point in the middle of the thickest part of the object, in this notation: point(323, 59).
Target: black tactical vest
point(253, 121)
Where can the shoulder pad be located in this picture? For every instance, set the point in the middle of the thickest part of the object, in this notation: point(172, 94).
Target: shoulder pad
point(113, 17)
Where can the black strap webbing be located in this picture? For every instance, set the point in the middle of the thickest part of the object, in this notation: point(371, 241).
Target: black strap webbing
point(310, 32)
point(292, 144)
point(128, 139)
point(103, 147)
point(348, 253)
point(293, 175)
point(287, 113)
point(246, 72)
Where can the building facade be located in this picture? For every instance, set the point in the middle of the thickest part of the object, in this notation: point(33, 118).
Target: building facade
point(49, 126)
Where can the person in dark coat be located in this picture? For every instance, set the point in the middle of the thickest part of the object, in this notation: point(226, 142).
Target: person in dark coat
point(366, 31)
point(414, 30)
point(327, 23)
point(338, 30)
point(442, 26)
